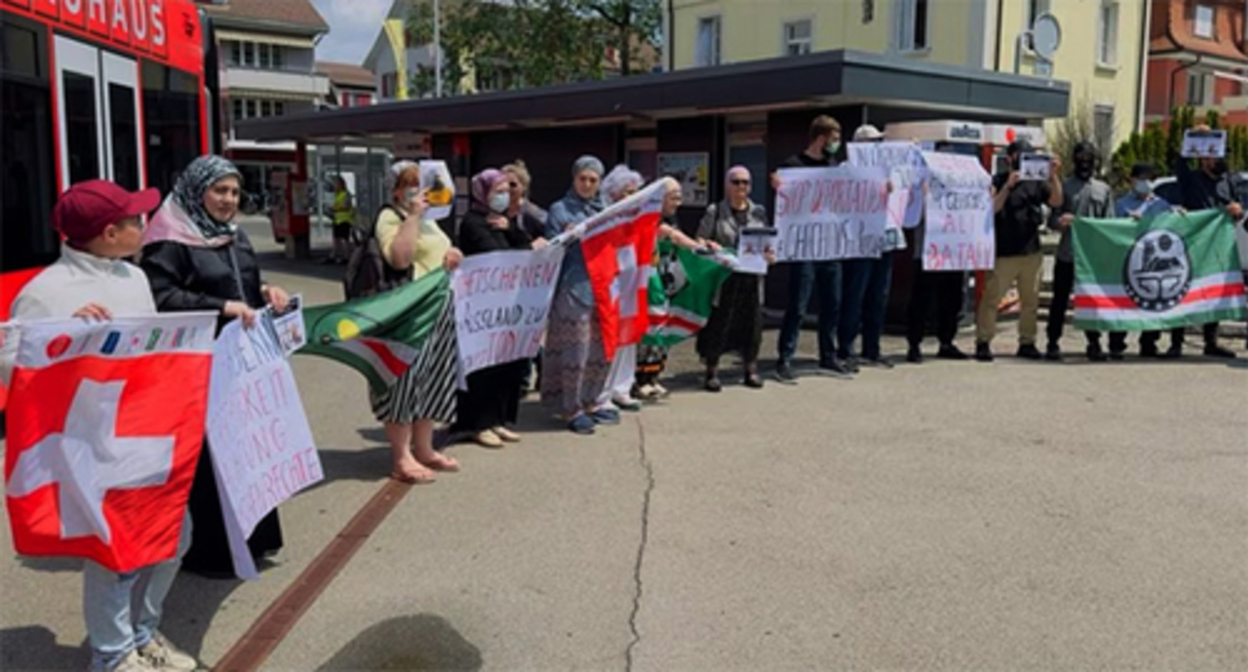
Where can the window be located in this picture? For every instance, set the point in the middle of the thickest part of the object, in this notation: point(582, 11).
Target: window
point(264, 52)
point(797, 38)
point(277, 108)
point(1203, 21)
point(708, 42)
point(235, 50)
point(276, 62)
point(1196, 89)
point(80, 130)
point(124, 127)
point(249, 54)
point(1035, 8)
point(266, 108)
point(1107, 34)
point(1103, 126)
point(912, 25)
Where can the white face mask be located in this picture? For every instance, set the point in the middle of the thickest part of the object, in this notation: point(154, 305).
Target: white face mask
point(499, 202)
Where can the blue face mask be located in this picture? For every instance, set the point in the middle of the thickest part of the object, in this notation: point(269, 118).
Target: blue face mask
point(1142, 188)
point(499, 202)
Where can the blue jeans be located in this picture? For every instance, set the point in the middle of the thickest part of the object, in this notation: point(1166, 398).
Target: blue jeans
point(803, 277)
point(106, 597)
point(865, 295)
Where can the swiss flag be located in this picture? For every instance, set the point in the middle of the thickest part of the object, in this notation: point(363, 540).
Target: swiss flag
point(619, 250)
point(105, 428)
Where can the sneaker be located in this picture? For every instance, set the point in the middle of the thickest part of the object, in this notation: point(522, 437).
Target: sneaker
point(1215, 350)
point(836, 369)
point(1053, 352)
point(1149, 351)
point(914, 355)
point(951, 351)
point(983, 353)
point(1029, 351)
point(712, 384)
point(1117, 355)
point(605, 416)
point(582, 424)
point(131, 662)
point(162, 655)
point(753, 381)
point(631, 405)
point(645, 392)
point(1096, 354)
point(784, 373)
point(876, 363)
point(660, 391)
point(1175, 351)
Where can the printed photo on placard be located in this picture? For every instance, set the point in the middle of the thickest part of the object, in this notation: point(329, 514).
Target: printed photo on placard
point(1204, 144)
point(1034, 167)
point(755, 243)
point(439, 188)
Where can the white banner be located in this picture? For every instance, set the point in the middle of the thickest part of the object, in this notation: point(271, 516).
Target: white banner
point(831, 213)
point(959, 235)
point(501, 303)
point(262, 447)
point(904, 163)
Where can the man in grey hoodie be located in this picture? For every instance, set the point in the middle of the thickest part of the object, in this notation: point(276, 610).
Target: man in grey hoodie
point(1083, 196)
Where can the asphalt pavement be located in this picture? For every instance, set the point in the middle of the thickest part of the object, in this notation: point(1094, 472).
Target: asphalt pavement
point(950, 516)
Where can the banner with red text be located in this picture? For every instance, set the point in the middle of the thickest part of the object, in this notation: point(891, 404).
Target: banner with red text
point(261, 444)
point(959, 232)
point(501, 303)
point(831, 213)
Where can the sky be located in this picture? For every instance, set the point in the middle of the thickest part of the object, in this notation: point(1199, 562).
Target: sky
point(353, 25)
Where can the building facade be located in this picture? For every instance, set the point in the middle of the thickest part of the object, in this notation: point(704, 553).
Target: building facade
point(1198, 56)
point(349, 85)
point(1101, 54)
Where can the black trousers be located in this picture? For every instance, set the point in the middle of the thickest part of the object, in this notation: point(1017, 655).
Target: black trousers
point(1063, 286)
point(1150, 338)
point(942, 290)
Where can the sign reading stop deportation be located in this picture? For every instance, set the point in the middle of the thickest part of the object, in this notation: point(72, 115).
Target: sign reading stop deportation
point(959, 234)
point(831, 213)
point(501, 303)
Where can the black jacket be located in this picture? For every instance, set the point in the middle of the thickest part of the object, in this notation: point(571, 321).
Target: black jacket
point(476, 236)
point(187, 278)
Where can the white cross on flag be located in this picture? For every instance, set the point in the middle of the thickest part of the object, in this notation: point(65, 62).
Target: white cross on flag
point(619, 245)
point(106, 420)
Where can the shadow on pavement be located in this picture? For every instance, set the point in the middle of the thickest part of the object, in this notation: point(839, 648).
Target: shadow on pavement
point(276, 262)
point(192, 604)
point(420, 642)
point(34, 647)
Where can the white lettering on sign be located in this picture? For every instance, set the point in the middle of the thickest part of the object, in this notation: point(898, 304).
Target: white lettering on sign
point(73, 6)
point(138, 17)
point(99, 11)
point(157, 12)
point(119, 16)
point(831, 213)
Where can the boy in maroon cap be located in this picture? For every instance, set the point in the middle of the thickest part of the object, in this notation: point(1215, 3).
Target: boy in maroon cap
point(102, 225)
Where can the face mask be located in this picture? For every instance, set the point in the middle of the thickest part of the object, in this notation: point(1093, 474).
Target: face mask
point(831, 147)
point(1143, 188)
point(1084, 167)
point(499, 202)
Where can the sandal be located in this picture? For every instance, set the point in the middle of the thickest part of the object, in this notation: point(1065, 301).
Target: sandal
point(506, 434)
point(424, 477)
point(443, 463)
point(488, 438)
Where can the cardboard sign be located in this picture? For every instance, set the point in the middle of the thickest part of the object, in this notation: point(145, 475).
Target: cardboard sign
point(751, 251)
point(439, 188)
point(904, 163)
point(1204, 144)
point(959, 234)
point(831, 213)
point(1034, 167)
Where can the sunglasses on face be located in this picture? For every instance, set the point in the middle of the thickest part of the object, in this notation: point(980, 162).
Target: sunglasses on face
point(513, 185)
point(740, 183)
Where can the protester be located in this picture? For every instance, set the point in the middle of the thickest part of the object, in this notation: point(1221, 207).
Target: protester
point(520, 209)
point(412, 246)
point(492, 400)
point(344, 219)
point(102, 226)
point(943, 290)
point(1017, 204)
point(574, 364)
point(618, 185)
point(1141, 202)
point(1206, 188)
point(864, 295)
point(1083, 196)
point(805, 276)
point(736, 322)
point(197, 259)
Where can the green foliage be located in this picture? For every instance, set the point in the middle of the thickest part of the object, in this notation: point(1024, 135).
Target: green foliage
point(1074, 128)
point(1160, 145)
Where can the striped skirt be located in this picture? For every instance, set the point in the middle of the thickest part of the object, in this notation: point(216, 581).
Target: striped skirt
point(574, 366)
point(427, 390)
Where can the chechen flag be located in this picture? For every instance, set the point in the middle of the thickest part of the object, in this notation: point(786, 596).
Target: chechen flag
point(1172, 270)
point(618, 245)
point(106, 420)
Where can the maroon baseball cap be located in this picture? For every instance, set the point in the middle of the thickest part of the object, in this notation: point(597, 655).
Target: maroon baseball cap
point(87, 208)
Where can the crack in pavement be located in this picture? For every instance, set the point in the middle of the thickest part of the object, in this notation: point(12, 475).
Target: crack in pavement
point(644, 460)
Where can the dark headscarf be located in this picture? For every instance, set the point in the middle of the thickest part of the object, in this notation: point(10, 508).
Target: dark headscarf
point(188, 192)
point(482, 184)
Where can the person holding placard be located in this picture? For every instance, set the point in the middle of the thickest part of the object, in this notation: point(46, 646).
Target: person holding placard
point(528, 216)
point(806, 276)
point(736, 322)
point(1209, 186)
point(1083, 196)
point(1018, 206)
point(1141, 202)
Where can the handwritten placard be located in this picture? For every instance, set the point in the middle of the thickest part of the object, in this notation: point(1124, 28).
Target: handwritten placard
point(959, 234)
point(831, 213)
point(1204, 144)
point(1034, 167)
point(904, 163)
point(262, 447)
point(502, 300)
point(753, 247)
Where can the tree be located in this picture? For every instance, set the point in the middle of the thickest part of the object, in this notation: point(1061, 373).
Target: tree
point(1075, 127)
point(640, 20)
point(1160, 145)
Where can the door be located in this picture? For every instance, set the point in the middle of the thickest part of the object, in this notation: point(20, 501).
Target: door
point(98, 115)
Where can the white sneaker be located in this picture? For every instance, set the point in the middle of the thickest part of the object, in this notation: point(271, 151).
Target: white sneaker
point(161, 655)
point(131, 662)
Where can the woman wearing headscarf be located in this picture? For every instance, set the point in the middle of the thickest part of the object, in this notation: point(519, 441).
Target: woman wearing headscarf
point(195, 258)
point(521, 210)
point(618, 185)
point(574, 365)
point(736, 321)
point(412, 246)
point(492, 400)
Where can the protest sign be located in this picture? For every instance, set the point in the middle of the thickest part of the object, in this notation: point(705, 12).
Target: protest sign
point(262, 447)
point(904, 163)
point(1204, 144)
point(755, 242)
point(1034, 167)
point(691, 170)
point(959, 235)
point(501, 303)
point(289, 326)
point(831, 213)
point(439, 188)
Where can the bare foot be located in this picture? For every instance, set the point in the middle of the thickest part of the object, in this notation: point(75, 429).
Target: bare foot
point(440, 462)
point(412, 472)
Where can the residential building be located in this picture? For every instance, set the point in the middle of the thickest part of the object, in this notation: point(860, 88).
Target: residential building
point(268, 48)
point(1101, 53)
point(1198, 56)
point(349, 85)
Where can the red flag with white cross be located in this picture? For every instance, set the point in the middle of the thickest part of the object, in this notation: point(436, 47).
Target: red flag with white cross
point(105, 425)
point(619, 245)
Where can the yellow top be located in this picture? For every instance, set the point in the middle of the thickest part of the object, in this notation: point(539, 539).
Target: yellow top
point(343, 212)
point(431, 246)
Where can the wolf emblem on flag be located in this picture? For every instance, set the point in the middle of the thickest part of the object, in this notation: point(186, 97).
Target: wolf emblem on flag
point(1158, 272)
